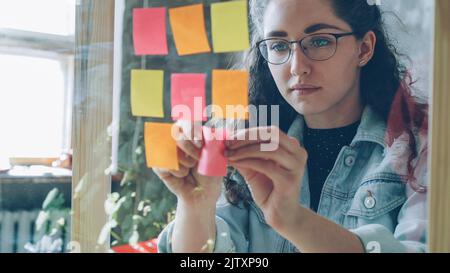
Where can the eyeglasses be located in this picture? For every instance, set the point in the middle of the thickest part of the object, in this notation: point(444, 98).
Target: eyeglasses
point(317, 47)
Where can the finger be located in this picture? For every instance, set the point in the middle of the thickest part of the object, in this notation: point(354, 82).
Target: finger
point(181, 173)
point(192, 131)
point(259, 185)
point(189, 141)
point(186, 160)
point(265, 167)
point(244, 137)
point(168, 178)
point(239, 143)
point(260, 135)
point(176, 185)
point(280, 156)
point(188, 147)
point(162, 173)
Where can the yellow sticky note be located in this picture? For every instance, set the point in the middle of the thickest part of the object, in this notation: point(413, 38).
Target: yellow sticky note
point(147, 93)
point(189, 31)
point(160, 146)
point(230, 90)
point(229, 24)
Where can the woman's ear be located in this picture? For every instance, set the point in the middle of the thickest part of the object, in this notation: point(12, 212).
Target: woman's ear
point(367, 48)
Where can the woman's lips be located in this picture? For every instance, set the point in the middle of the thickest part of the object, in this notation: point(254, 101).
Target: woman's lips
point(304, 89)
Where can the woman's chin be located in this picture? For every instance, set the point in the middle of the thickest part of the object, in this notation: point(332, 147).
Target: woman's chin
point(307, 108)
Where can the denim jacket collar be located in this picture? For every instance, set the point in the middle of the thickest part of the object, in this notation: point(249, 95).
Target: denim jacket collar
point(371, 129)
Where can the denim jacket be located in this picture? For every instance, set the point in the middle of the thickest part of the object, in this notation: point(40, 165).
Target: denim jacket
point(365, 193)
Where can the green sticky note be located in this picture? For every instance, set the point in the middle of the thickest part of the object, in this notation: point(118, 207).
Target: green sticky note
point(147, 93)
point(229, 24)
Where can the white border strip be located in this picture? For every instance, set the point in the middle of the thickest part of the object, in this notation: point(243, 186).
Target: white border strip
point(119, 10)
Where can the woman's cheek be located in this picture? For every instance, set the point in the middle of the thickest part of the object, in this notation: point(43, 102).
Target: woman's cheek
point(281, 74)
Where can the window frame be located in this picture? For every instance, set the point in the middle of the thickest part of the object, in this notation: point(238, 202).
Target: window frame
point(59, 48)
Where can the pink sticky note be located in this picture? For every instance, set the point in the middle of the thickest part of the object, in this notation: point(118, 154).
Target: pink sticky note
point(189, 97)
point(149, 31)
point(212, 159)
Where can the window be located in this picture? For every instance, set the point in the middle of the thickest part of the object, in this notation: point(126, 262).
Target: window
point(36, 64)
point(45, 16)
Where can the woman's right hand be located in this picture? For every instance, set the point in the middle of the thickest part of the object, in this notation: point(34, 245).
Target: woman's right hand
point(187, 184)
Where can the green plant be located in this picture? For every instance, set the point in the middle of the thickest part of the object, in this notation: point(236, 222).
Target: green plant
point(53, 220)
point(142, 206)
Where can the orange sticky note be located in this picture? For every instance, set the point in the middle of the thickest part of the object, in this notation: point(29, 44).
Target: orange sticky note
point(149, 31)
point(147, 88)
point(160, 146)
point(189, 97)
point(230, 94)
point(189, 31)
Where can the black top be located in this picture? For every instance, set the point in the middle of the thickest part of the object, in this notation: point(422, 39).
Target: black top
point(323, 147)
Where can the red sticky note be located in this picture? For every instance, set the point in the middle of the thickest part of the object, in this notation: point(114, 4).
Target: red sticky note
point(212, 159)
point(189, 97)
point(150, 246)
point(149, 31)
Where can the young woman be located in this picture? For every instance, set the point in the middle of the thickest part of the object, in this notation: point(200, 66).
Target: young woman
point(349, 175)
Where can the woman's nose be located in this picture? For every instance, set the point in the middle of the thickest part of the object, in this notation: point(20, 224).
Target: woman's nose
point(300, 64)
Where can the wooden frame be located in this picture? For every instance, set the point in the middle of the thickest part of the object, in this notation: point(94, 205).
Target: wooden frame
point(92, 115)
point(439, 204)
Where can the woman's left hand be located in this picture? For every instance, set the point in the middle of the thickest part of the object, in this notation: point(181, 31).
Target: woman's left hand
point(274, 177)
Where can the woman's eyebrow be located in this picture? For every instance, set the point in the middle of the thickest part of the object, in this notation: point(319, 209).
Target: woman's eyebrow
point(308, 30)
point(277, 33)
point(320, 26)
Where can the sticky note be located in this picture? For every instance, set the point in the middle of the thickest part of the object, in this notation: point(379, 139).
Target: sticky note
point(160, 146)
point(188, 97)
point(150, 246)
point(230, 94)
point(229, 26)
point(150, 31)
point(147, 93)
point(189, 31)
point(212, 159)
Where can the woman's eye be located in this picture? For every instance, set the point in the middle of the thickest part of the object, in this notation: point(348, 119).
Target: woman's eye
point(320, 42)
point(279, 47)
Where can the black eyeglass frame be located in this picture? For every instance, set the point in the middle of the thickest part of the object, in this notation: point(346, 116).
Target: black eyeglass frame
point(337, 36)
